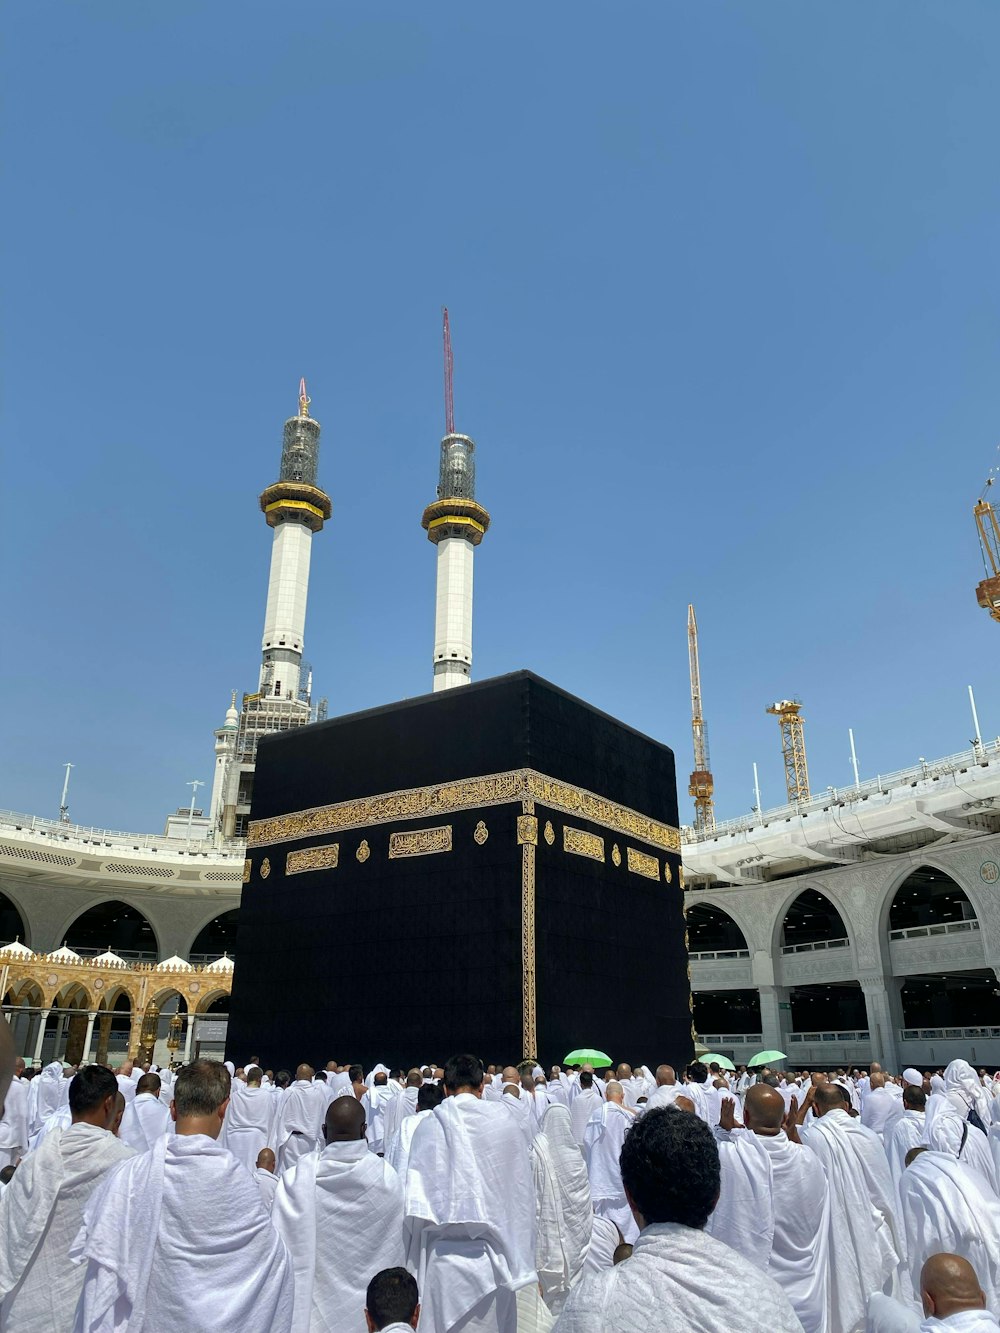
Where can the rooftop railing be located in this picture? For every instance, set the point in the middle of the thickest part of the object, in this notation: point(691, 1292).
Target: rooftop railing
point(948, 1034)
point(714, 955)
point(843, 1038)
point(975, 757)
point(53, 831)
point(943, 928)
point(814, 945)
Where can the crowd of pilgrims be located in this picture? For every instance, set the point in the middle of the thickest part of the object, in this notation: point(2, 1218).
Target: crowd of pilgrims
point(506, 1199)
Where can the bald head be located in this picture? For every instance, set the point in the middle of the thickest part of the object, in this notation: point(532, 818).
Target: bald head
point(878, 1081)
point(615, 1093)
point(512, 1090)
point(829, 1097)
point(684, 1104)
point(345, 1121)
point(414, 1079)
point(764, 1109)
point(304, 1073)
point(949, 1285)
point(510, 1075)
point(265, 1160)
point(665, 1076)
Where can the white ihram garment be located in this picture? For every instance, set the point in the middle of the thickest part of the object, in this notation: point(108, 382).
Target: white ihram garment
point(470, 1212)
point(396, 1112)
point(888, 1316)
point(397, 1154)
point(144, 1121)
point(564, 1213)
point(879, 1106)
point(584, 1105)
point(267, 1182)
point(298, 1122)
point(946, 1210)
point(947, 1130)
point(340, 1214)
point(181, 1229)
point(376, 1102)
point(14, 1124)
point(678, 1280)
point(58, 1120)
point(249, 1123)
point(44, 1095)
point(602, 1146)
point(774, 1209)
point(866, 1244)
point(40, 1213)
point(905, 1133)
point(665, 1095)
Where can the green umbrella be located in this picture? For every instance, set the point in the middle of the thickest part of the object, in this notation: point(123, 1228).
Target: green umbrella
point(722, 1061)
point(585, 1056)
point(766, 1058)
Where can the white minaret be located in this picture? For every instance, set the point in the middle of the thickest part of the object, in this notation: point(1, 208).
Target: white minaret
point(295, 508)
point(225, 747)
point(455, 523)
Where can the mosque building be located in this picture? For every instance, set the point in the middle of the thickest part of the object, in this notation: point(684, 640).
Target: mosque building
point(862, 924)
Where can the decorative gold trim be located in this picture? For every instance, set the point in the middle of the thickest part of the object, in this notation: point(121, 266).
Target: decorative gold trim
point(313, 858)
point(581, 843)
point(680, 877)
point(641, 863)
point(364, 851)
point(527, 829)
point(616, 856)
point(420, 842)
point(529, 1021)
point(247, 867)
point(550, 833)
point(481, 833)
point(466, 794)
point(265, 868)
point(668, 874)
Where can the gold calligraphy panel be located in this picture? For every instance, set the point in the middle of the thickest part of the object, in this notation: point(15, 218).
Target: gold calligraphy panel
point(313, 858)
point(581, 843)
point(420, 842)
point(641, 863)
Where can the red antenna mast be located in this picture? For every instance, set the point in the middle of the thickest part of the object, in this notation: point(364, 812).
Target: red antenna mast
point(449, 375)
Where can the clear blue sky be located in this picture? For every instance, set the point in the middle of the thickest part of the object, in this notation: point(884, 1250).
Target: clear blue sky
point(724, 292)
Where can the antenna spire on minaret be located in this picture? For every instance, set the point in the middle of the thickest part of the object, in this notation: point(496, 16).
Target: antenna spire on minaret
point(455, 523)
point(304, 399)
point(449, 379)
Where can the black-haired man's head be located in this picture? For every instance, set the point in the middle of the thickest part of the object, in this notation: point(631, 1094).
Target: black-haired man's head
point(914, 1098)
point(670, 1168)
point(697, 1073)
point(429, 1096)
point(586, 1079)
point(463, 1073)
point(92, 1096)
point(392, 1298)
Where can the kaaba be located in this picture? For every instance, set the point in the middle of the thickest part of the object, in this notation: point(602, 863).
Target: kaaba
point(493, 868)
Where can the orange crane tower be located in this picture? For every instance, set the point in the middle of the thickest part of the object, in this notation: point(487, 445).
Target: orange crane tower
point(988, 592)
point(700, 786)
point(793, 748)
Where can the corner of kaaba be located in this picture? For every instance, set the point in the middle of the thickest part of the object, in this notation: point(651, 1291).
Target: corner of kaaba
point(484, 869)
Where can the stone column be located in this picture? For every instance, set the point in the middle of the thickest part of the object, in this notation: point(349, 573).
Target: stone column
point(134, 1032)
point(775, 1022)
point(37, 1056)
point(880, 1021)
point(85, 1058)
point(104, 1038)
point(59, 1047)
point(189, 1038)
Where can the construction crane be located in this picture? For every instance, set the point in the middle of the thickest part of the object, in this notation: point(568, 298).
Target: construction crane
point(793, 748)
point(988, 592)
point(700, 786)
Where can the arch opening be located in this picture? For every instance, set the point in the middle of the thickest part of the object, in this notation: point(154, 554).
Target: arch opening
point(828, 1010)
point(951, 1000)
point(928, 898)
point(727, 1013)
point(713, 932)
point(217, 938)
point(812, 922)
point(12, 925)
point(116, 926)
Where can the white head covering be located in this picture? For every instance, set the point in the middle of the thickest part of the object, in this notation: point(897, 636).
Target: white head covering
point(962, 1081)
point(565, 1212)
point(231, 1067)
point(937, 1083)
point(913, 1076)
